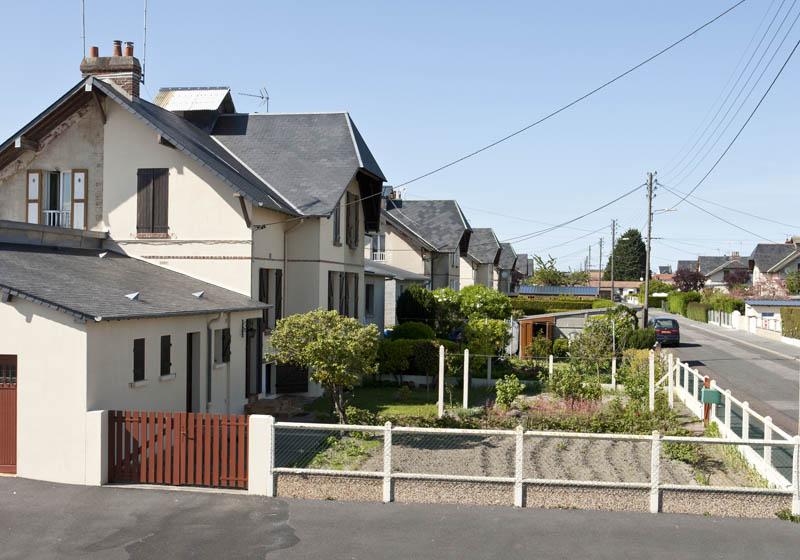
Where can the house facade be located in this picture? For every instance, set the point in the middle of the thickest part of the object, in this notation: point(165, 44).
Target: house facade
point(273, 206)
point(506, 269)
point(770, 263)
point(483, 253)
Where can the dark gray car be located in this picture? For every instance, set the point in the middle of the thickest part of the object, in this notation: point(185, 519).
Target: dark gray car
point(668, 332)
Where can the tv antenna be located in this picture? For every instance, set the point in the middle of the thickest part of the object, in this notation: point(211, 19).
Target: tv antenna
point(83, 26)
point(262, 94)
point(144, 43)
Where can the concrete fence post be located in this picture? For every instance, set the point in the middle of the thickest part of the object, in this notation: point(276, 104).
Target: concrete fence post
point(655, 472)
point(440, 402)
point(745, 420)
point(489, 369)
point(550, 368)
point(671, 380)
point(465, 392)
point(614, 373)
point(652, 381)
point(727, 421)
point(696, 388)
point(768, 437)
point(713, 406)
point(796, 477)
point(96, 454)
point(519, 466)
point(387, 463)
point(260, 455)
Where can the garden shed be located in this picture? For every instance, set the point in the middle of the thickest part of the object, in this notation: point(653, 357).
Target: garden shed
point(564, 324)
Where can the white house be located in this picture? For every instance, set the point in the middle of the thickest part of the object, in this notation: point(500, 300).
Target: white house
point(771, 262)
point(484, 255)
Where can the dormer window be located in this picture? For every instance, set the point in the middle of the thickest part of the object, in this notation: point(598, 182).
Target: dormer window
point(56, 198)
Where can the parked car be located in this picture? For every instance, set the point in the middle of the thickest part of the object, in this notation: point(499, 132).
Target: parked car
point(668, 331)
point(616, 298)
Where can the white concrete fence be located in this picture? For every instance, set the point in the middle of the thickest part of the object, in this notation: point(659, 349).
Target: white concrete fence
point(722, 319)
point(263, 470)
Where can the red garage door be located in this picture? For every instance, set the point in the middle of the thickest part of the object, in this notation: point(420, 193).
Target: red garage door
point(8, 414)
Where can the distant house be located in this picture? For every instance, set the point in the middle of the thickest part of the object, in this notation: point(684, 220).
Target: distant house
point(506, 266)
point(771, 262)
point(482, 257)
point(717, 269)
point(687, 265)
point(384, 284)
point(427, 237)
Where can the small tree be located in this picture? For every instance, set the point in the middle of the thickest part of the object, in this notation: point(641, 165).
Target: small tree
point(480, 302)
point(446, 312)
point(688, 280)
point(487, 336)
point(737, 277)
point(415, 304)
point(793, 282)
point(545, 272)
point(629, 257)
point(338, 350)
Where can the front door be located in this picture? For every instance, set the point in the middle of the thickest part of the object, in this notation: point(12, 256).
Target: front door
point(253, 358)
point(8, 414)
point(193, 372)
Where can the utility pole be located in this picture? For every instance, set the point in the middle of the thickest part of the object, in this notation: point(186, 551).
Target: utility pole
point(600, 269)
point(647, 252)
point(589, 260)
point(613, 246)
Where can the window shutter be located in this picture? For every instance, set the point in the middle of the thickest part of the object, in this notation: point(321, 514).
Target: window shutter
point(138, 359)
point(79, 196)
point(278, 294)
point(160, 200)
point(33, 197)
point(355, 295)
point(166, 358)
point(330, 290)
point(144, 201)
point(342, 294)
point(356, 224)
point(226, 345)
point(337, 224)
point(263, 293)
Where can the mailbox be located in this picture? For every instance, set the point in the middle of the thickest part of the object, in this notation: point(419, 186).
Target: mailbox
point(710, 396)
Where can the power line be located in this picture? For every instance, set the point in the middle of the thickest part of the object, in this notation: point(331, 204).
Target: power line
point(739, 133)
point(574, 102)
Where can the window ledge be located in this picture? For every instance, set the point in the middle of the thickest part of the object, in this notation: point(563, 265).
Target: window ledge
point(136, 384)
point(220, 365)
point(152, 236)
point(168, 377)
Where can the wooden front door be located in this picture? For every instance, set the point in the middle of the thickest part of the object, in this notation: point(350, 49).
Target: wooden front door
point(8, 414)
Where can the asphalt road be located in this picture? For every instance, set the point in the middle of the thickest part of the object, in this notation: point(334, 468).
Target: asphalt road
point(43, 521)
point(763, 372)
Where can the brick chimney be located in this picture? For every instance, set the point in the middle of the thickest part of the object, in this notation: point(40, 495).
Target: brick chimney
point(124, 72)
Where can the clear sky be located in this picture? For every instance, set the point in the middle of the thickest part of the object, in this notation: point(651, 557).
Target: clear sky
point(429, 81)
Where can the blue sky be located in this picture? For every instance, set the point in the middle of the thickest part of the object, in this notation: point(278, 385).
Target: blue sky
point(429, 81)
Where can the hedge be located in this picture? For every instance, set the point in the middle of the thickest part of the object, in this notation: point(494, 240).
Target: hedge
point(657, 302)
point(678, 301)
point(790, 321)
point(723, 302)
point(697, 311)
point(549, 305)
point(602, 304)
point(412, 330)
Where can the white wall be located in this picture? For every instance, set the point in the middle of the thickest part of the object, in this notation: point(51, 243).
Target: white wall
point(402, 252)
point(51, 390)
point(468, 272)
point(379, 305)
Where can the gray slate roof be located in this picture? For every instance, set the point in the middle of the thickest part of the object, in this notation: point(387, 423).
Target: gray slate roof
point(508, 256)
point(309, 158)
point(522, 264)
point(483, 245)
point(439, 222)
point(767, 255)
point(688, 265)
point(382, 269)
point(79, 282)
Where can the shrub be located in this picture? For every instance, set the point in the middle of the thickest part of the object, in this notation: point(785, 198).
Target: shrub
point(697, 312)
point(793, 282)
point(560, 347)
point(362, 417)
point(394, 356)
point(540, 347)
point(507, 390)
point(635, 376)
point(530, 306)
point(412, 330)
point(415, 304)
point(678, 301)
point(641, 339)
point(568, 383)
point(480, 302)
point(446, 312)
point(602, 304)
point(722, 302)
point(790, 321)
point(487, 336)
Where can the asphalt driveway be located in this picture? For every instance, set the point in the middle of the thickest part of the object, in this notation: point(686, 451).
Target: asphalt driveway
point(42, 520)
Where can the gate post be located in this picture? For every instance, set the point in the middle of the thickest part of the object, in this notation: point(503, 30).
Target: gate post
point(465, 392)
point(260, 455)
point(671, 381)
point(440, 402)
point(387, 463)
point(651, 367)
point(519, 466)
point(655, 472)
point(96, 459)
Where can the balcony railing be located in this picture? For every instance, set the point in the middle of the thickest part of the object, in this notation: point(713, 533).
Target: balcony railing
point(57, 218)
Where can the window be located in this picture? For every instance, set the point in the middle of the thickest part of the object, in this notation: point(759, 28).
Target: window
point(369, 299)
point(270, 291)
point(222, 346)
point(166, 355)
point(263, 295)
point(138, 360)
point(56, 198)
point(378, 247)
point(351, 220)
point(152, 202)
point(337, 224)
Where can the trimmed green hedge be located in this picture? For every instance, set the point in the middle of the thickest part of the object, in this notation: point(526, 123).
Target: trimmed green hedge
point(677, 302)
point(657, 302)
point(697, 311)
point(790, 321)
point(549, 305)
point(723, 302)
point(412, 330)
point(602, 303)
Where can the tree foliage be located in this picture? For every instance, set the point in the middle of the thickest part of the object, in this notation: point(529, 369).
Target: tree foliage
point(481, 302)
point(487, 336)
point(337, 350)
point(630, 255)
point(688, 280)
point(737, 277)
point(793, 282)
point(415, 304)
point(546, 273)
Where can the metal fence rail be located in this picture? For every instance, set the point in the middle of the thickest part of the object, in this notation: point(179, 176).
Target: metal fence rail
point(394, 453)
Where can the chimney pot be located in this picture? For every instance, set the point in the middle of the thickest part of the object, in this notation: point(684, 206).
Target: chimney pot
point(117, 48)
point(94, 52)
point(128, 48)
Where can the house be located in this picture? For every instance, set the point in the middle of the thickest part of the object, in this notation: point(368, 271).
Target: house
point(427, 237)
point(771, 262)
point(483, 254)
point(763, 317)
point(563, 324)
point(506, 265)
point(85, 328)
point(384, 284)
point(718, 269)
point(272, 206)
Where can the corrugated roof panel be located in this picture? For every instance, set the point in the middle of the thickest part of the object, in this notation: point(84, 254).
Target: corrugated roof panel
point(191, 99)
point(529, 290)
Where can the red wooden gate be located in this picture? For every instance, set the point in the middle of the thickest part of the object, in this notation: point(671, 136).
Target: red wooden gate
point(177, 448)
point(8, 414)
